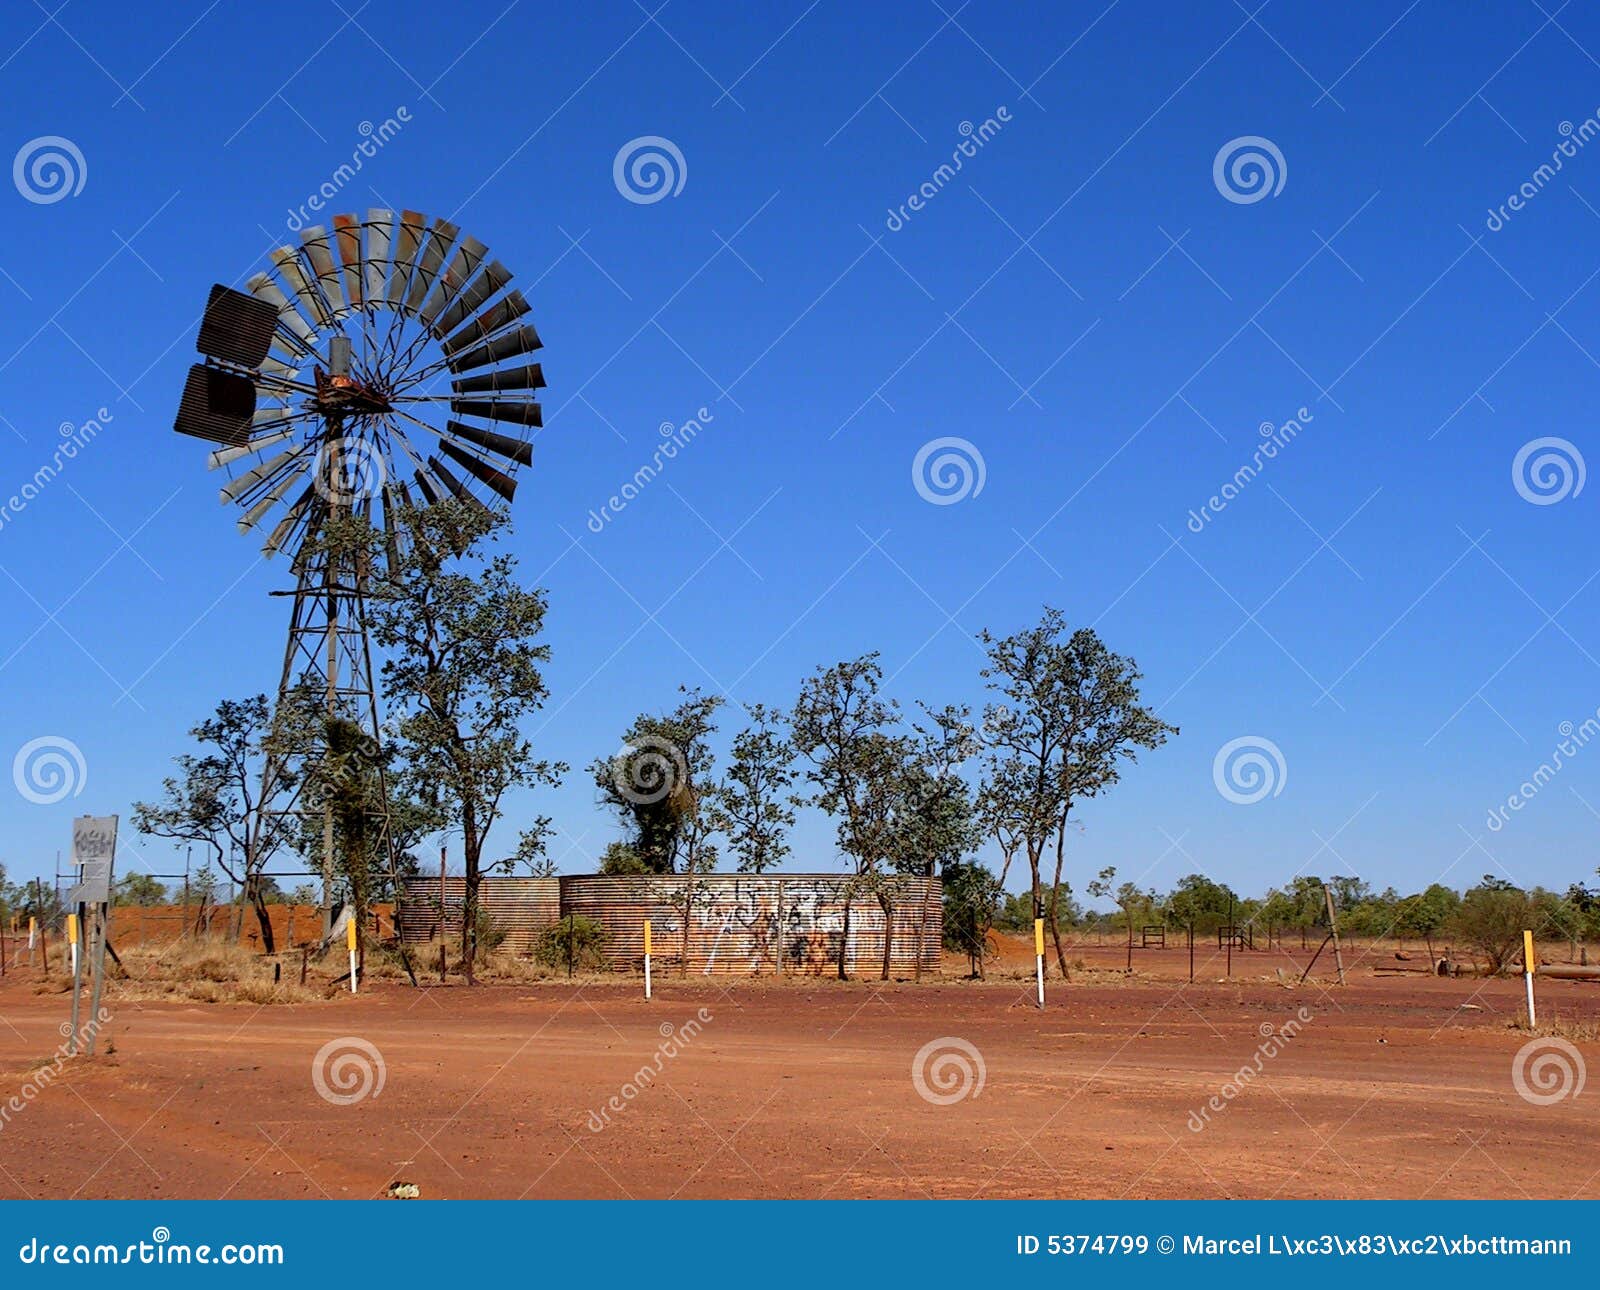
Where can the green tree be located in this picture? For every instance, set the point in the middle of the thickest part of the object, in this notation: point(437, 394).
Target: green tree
point(1491, 918)
point(754, 805)
point(656, 782)
point(225, 801)
point(972, 899)
point(464, 672)
point(1200, 902)
point(1067, 717)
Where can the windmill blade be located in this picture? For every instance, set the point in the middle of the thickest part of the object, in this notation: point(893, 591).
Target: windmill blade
point(494, 276)
point(226, 456)
point(391, 536)
point(236, 327)
point(470, 254)
point(275, 541)
point(347, 233)
point(276, 367)
point(314, 242)
point(507, 446)
point(262, 287)
point(524, 340)
point(528, 377)
point(496, 317)
point(523, 411)
point(458, 490)
point(408, 235)
point(236, 488)
point(216, 405)
point(440, 236)
point(258, 512)
point(380, 226)
point(430, 490)
point(481, 470)
point(292, 269)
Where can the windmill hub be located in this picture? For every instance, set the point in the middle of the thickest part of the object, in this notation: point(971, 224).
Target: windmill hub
point(345, 395)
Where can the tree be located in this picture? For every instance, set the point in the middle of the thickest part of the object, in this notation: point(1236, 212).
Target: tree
point(754, 804)
point(845, 730)
point(136, 889)
point(619, 860)
point(657, 780)
point(1068, 716)
point(972, 899)
point(224, 801)
point(464, 673)
point(1199, 902)
point(1491, 918)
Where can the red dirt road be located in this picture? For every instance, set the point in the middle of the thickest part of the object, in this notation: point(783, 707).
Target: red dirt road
point(804, 1090)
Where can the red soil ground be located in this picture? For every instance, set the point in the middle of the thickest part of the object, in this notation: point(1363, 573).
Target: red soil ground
point(1394, 1087)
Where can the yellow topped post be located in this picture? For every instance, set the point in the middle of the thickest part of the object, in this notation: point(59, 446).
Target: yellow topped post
point(1038, 955)
point(1530, 965)
point(350, 943)
point(647, 958)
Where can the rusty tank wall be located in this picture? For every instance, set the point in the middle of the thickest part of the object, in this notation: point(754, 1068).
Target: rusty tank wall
point(737, 924)
point(519, 907)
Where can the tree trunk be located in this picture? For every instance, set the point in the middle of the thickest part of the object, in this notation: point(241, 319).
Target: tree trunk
point(886, 903)
point(1055, 897)
point(844, 940)
point(258, 901)
point(469, 911)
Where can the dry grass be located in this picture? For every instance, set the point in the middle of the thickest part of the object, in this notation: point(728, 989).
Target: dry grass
point(1553, 1025)
point(214, 971)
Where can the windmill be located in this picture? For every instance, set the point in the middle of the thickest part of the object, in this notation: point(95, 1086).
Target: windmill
point(374, 370)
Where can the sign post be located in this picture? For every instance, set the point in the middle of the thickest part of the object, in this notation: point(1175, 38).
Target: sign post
point(94, 848)
point(647, 958)
point(1530, 965)
point(1038, 953)
point(350, 944)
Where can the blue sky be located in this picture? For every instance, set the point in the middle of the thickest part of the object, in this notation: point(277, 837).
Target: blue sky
point(1082, 304)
